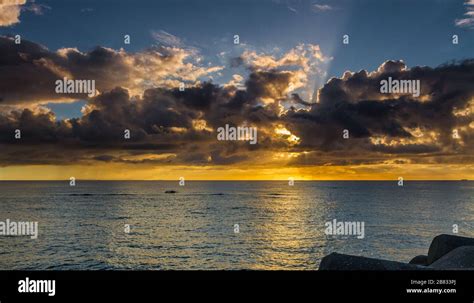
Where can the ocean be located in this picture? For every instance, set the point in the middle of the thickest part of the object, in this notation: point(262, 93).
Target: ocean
point(135, 225)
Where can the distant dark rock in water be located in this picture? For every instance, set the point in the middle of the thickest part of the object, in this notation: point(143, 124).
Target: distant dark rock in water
point(443, 244)
point(337, 261)
point(445, 252)
point(170, 192)
point(419, 260)
point(459, 258)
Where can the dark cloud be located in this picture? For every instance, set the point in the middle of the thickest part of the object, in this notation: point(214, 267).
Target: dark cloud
point(28, 71)
point(355, 103)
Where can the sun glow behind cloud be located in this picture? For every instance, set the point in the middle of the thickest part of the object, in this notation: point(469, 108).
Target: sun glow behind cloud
point(173, 173)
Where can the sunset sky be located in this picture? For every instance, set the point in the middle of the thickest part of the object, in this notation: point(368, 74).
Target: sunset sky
point(290, 76)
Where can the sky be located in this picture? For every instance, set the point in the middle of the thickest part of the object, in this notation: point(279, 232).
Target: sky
point(290, 75)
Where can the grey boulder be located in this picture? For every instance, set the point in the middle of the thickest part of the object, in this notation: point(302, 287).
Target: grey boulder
point(460, 258)
point(443, 244)
point(335, 261)
point(419, 260)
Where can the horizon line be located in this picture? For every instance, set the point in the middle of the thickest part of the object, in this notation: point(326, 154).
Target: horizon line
point(232, 180)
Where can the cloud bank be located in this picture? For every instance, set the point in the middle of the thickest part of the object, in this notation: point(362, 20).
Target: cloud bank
point(139, 92)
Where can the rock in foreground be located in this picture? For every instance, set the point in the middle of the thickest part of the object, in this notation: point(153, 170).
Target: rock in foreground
point(443, 244)
point(445, 252)
point(337, 261)
point(419, 260)
point(459, 258)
